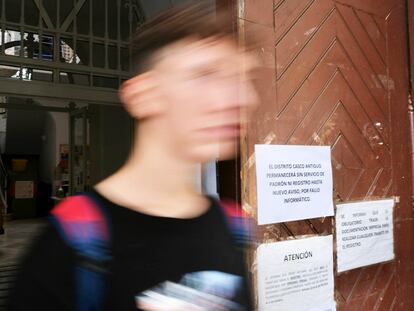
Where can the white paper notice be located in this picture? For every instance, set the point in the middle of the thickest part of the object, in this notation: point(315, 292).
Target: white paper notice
point(24, 189)
point(296, 275)
point(293, 182)
point(364, 233)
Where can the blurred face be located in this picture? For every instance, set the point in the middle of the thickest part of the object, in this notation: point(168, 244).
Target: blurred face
point(205, 91)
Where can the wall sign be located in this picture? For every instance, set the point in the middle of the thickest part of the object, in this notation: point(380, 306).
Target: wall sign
point(24, 189)
point(296, 275)
point(364, 233)
point(293, 182)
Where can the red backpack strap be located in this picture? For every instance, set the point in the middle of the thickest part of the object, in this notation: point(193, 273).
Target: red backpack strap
point(84, 226)
point(232, 208)
point(80, 219)
point(240, 224)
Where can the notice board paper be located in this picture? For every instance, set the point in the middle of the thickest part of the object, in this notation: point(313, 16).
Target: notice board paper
point(296, 275)
point(364, 233)
point(293, 183)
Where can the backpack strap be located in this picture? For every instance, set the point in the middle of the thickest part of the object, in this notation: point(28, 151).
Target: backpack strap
point(240, 224)
point(84, 227)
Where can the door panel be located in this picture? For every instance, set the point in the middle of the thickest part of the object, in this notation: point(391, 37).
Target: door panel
point(79, 151)
point(335, 73)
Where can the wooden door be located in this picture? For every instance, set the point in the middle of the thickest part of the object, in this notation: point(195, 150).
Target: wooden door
point(335, 72)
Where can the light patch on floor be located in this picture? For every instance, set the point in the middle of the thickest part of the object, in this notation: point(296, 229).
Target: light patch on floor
point(13, 244)
point(18, 235)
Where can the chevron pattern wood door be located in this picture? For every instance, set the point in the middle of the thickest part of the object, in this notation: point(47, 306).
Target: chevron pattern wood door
point(335, 73)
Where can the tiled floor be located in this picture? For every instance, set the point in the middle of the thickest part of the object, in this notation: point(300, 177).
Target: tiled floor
point(19, 234)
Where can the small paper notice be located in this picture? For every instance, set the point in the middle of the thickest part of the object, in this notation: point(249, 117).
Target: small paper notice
point(296, 275)
point(24, 189)
point(293, 182)
point(364, 233)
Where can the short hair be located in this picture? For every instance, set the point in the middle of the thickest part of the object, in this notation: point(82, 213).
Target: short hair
point(175, 24)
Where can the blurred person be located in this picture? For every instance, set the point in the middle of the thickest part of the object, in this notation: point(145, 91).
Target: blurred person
point(162, 244)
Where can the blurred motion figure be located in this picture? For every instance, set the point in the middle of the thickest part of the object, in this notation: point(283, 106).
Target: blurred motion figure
point(145, 238)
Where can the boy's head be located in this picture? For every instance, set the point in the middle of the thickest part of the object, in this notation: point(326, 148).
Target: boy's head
point(190, 89)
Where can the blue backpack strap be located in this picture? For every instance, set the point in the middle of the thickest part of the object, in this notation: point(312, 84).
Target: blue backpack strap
point(240, 224)
point(85, 228)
